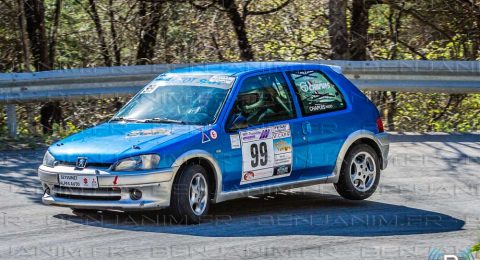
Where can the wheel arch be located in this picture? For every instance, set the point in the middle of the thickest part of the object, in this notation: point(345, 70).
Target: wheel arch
point(357, 137)
point(204, 159)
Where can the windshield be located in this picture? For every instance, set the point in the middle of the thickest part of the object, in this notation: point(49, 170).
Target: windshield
point(181, 99)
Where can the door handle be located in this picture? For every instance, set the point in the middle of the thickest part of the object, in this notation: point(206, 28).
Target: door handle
point(307, 128)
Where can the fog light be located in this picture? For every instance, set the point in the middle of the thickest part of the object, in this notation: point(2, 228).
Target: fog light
point(135, 194)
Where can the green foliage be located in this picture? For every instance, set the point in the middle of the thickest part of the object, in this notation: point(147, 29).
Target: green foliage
point(431, 112)
point(476, 248)
point(3, 125)
point(60, 132)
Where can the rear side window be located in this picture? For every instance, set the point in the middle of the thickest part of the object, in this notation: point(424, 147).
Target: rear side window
point(316, 93)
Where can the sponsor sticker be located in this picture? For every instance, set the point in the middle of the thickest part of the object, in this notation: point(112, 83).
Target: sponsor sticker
point(222, 79)
point(281, 170)
point(213, 134)
point(150, 88)
point(319, 107)
point(78, 181)
point(313, 85)
point(283, 145)
point(156, 131)
point(281, 134)
point(255, 135)
point(284, 158)
point(235, 141)
point(248, 176)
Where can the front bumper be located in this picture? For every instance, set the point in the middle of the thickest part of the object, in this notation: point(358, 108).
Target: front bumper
point(113, 191)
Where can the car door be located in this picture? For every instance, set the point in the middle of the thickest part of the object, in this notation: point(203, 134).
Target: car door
point(264, 140)
point(325, 119)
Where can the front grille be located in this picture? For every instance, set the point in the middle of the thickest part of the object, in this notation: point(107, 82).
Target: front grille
point(87, 193)
point(74, 164)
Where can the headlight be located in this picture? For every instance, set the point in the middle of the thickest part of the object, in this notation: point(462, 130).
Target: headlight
point(135, 163)
point(48, 160)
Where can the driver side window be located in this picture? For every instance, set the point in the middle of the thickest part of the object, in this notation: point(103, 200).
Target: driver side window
point(261, 99)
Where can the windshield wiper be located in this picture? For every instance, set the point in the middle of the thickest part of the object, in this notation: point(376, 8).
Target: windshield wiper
point(162, 120)
point(126, 119)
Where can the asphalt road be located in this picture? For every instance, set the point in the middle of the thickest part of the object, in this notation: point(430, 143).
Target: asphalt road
point(428, 202)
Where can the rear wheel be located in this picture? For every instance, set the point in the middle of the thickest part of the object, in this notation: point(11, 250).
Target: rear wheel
point(360, 173)
point(190, 196)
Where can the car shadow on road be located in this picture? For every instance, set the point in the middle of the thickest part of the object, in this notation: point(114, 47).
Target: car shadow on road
point(285, 213)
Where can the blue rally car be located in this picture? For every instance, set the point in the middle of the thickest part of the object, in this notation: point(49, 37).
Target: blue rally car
point(207, 134)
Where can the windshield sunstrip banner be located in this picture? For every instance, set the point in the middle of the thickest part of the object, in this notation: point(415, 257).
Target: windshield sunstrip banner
point(214, 81)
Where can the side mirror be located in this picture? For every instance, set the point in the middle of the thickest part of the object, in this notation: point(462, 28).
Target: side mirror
point(236, 122)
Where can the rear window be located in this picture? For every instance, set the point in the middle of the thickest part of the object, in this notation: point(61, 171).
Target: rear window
point(316, 93)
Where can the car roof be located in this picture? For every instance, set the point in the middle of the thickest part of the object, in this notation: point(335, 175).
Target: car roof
point(236, 68)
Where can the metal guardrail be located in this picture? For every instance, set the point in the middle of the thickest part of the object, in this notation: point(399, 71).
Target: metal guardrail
point(77, 83)
point(414, 76)
point(410, 76)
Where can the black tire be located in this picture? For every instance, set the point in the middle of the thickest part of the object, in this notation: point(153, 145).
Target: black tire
point(353, 190)
point(180, 202)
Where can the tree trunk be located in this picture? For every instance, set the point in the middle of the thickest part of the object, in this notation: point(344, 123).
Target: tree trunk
point(359, 30)
point(113, 31)
point(218, 51)
point(337, 29)
point(238, 22)
point(50, 113)
point(35, 16)
point(22, 22)
point(26, 61)
point(149, 30)
point(42, 58)
point(53, 32)
point(100, 33)
point(391, 110)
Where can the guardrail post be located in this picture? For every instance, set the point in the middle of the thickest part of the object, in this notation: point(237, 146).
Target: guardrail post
point(12, 120)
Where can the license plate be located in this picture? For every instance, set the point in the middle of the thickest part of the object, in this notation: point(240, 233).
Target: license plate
point(78, 181)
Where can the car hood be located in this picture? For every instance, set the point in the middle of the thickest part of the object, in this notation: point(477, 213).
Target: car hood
point(108, 142)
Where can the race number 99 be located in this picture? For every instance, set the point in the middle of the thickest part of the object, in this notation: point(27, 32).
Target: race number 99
point(259, 154)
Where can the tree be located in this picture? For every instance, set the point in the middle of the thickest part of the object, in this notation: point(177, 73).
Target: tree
point(22, 22)
point(113, 31)
point(337, 29)
point(100, 33)
point(43, 51)
point(53, 32)
point(359, 29)
point(150, 14)
point(35, 17)
point(238, 20)
point(343, 47)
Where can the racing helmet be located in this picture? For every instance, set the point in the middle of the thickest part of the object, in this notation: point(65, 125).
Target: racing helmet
point(252, 99)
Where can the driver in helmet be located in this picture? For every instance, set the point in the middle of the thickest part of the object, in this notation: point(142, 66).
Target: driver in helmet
point(252, 107)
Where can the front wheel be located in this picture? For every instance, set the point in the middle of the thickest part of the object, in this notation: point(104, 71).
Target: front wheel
point(360, 173)
point(190, 196)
